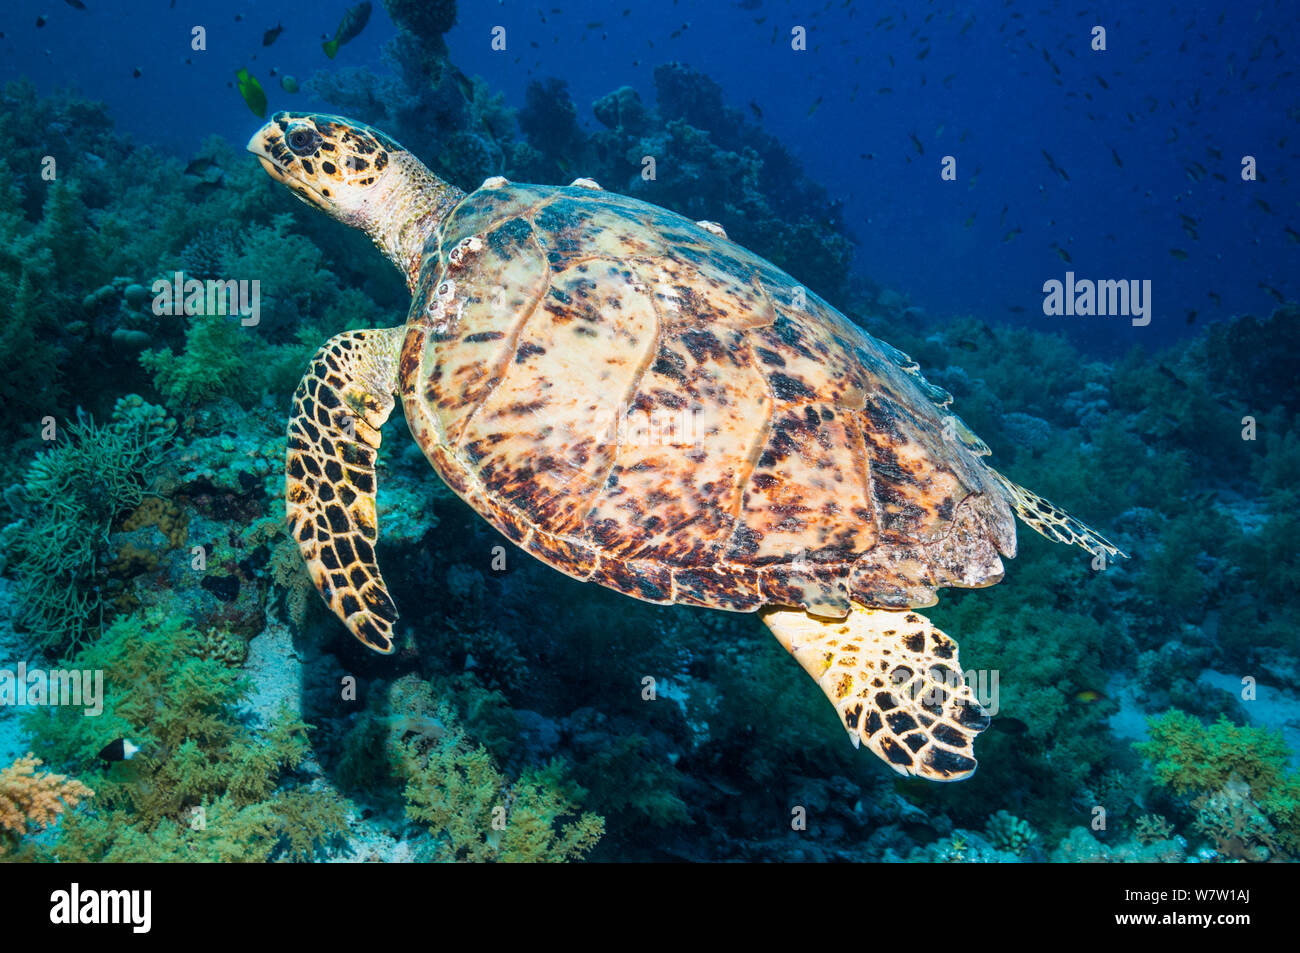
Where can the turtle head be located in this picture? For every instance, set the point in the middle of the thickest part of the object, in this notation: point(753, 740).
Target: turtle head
point(359, 176)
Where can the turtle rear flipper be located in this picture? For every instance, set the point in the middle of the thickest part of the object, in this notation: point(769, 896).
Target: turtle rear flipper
point(1051, 521)
point(339, 407)
point(896, 683)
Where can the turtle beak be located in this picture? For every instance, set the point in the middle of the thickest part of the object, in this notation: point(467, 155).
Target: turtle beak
point(263, 145)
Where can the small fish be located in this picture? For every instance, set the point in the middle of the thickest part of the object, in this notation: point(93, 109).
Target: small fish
point(1088, 696)
point(270, 36)
point(967, 345)
point(1115, 157)
point(758, 113)
point(121, 749)
point(1172, 376)
point(205, 188)
point(1261, 204)
point(970, 221)
point(199, 166)
point(815, 106)
point(252, 92)
point(1276, 295)
point(350, 27)
point(1010, 235)
point(464, 83)
point(1214, 296)
point(1292, 234)
point(1179, 254)
point(136, 72)
point(288, 84)
point(1063, 254)
point(1051, 163)
point(75, 4)
point(1191, 315)
point(920, 149)
point(1015, 309)
point(40, 22)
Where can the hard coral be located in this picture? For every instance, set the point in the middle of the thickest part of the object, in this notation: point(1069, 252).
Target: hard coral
point(1008, 832)
point(164, 514)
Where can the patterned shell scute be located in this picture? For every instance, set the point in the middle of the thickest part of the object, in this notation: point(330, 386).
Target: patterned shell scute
point(643, 403)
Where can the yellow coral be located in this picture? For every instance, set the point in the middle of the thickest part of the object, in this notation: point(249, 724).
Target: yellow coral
point(131, 560)
point(164, 514)
point(31, 799)
point(222, 646)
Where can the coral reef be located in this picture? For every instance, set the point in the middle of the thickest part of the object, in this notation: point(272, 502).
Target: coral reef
point(70, 498)
point(1236, 779)
point(473, 811)
point(153, 546)
point(1008, 832)
point(204, 786)
point(31, 799)
point(1151, 828)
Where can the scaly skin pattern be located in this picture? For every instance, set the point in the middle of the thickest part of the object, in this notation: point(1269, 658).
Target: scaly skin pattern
point(641, 403)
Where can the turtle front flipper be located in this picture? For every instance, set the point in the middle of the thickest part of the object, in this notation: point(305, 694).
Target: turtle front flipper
point(339, 407)
point(896, 683)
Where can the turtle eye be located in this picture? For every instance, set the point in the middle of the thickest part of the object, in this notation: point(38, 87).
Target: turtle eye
point(303, 142)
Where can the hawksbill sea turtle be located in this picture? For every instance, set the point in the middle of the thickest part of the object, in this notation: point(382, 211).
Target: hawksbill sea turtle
point(639, 402)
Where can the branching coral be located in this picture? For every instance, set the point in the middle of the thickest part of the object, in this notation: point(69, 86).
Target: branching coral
point(32, 799)
point(1151, 828)
point(1236, 823)
point(478, 815)
point(72, 494)
point(1246, 795)
point(212, 364)
point(473, 810)
point(204, 786)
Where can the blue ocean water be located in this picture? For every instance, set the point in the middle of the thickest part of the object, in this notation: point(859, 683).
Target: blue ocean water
point(930, 168)
point(1147, 136)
